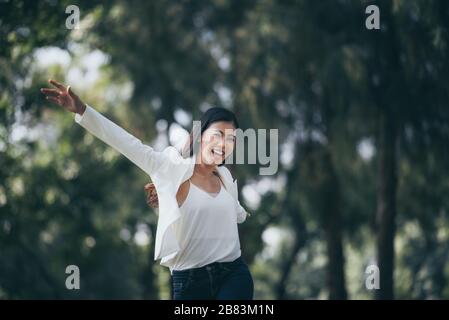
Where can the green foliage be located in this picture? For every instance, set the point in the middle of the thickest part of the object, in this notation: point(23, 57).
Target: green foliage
point(308, 68)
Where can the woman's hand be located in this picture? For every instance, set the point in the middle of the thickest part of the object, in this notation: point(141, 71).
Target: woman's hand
point(152, 199)
point(64, 97)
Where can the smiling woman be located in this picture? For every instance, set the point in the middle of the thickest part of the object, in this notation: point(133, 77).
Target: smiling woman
point(197, 235)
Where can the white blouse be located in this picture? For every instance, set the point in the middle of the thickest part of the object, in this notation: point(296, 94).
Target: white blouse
point(207, 230)
point(167, 169)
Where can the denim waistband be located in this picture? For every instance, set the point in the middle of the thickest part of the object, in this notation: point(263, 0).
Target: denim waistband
point(215, 266)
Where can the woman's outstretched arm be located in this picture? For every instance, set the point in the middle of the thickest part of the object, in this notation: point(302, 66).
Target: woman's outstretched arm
point(140, 154)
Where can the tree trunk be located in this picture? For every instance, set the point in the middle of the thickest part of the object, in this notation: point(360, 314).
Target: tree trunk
point(333, 234)
point(386, 205)
point(299, 227)
point(287, 267)
point(335, 267)
point(323, 191)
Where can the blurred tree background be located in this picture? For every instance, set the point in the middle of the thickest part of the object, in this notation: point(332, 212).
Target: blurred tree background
point(363, 132)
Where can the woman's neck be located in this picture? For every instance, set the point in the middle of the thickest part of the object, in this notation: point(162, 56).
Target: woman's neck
point(204, 170)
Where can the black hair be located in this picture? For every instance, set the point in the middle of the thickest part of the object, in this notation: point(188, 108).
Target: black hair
point(212, 115)
point(217, 114)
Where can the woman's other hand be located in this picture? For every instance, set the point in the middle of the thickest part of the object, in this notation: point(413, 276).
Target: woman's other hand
point(152, 199)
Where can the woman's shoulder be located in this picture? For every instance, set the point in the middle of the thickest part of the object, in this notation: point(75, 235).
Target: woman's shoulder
point(174, 165)
point(173, 155)
point(226, 173)
point(171, 151)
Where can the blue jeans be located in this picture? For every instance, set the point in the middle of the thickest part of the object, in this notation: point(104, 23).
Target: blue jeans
point(215, 281)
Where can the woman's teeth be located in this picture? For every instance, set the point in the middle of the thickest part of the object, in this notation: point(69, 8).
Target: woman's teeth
point(217, 151)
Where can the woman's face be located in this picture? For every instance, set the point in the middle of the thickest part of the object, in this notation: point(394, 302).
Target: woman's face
point(217, 142)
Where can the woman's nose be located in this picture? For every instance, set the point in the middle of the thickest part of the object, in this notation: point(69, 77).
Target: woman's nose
point(221, 143)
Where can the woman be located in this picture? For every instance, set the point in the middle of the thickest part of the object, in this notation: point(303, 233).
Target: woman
point(197, 236)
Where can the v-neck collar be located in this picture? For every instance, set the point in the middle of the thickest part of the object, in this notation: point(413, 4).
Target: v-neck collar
point(210, 194)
